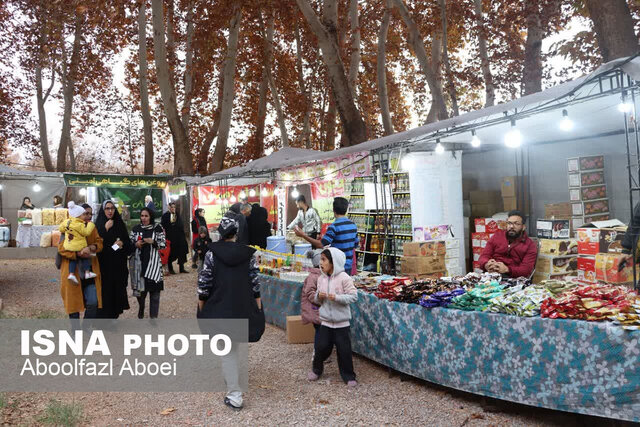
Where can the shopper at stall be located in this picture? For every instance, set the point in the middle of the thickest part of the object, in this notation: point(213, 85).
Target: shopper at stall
point(148, 203)
point(228, 288)
point(307, 218)
point(57, 202)
point(174, 229)
point(334, 294)
point(201, 247)
point(258, 226)
point(145, 264)
point(342, 233)
point(197, 222)
point(510, 252)
point(240, 212)
point(87, 296)
point(26, 204)
point(113, 260)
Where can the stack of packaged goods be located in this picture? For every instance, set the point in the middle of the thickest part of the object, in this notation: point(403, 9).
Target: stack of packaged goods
point(587, 190)
point(422, 260)
point(440, 298)
point(442, 232)
point(479, 298)
point(589, 302)
point(485, 228)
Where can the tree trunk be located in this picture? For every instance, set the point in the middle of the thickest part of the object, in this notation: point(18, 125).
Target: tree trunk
point(438, 108)
point(144, 89)
point(532, 71)
point(204, 165)
point(485, 66)
point(68, 84)
point(262, 111)
point(183, 160)
point(352, 123)
point(42, 117)
point(72, 157)
point(330, 125)
point(228, 90)
point(614, 28)
point(381, 69)
point(272, 84)
point(451, 89)
point(306, 127)
point(354, 64)
point(171, 40)
point(188, 71)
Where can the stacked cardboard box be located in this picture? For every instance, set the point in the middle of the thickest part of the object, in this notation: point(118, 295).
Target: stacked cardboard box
point(558, 259)
point(424, 259)
point(514, 189)
point(600, 253)
point(562, 211)
point(587, 190)
point(484, 228)
point(485, 203)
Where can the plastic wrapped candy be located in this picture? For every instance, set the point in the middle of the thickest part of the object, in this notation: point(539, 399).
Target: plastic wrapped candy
point(60, 215)
point(48, 216)
point(522, 301)
point(589, 302)
point(478, 298)
point(36, 216)
point(440, 299)
point(45, 240)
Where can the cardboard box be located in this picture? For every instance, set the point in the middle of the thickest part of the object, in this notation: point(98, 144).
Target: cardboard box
point(539, 277)
point(607, 265)
point(553, 228)
point(476, 266)
point(556, 264)
point(476, 256)
point(479, 240)
point(593, 192)
point(611, 240)
point(468, 185)
point(435, 276)
point(559, 247)
point(511, 186)
point(485, 197)
point(557, 210)
point(589, 236)
point(485, 210)
point(434, 247)
point(510, 203)
point(592, 207)
point(591, 178)
point(297, 332)
point(452, 246)
point(489, 225)
point(587, 269)
point(423, 264)
point(586, 163)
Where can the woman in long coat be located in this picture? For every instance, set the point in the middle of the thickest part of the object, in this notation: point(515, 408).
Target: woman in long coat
point(174, 230)
point(87, 296)
point(113, 262)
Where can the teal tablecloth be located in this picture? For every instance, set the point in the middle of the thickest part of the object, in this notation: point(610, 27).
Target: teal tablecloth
point(576, 366)
point(280, 298)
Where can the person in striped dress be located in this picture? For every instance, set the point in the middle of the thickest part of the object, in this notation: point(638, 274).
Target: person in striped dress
point(145, 264)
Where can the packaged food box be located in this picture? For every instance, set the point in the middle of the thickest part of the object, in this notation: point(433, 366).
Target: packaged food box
point(434, 247)
point(593, 207)
point(509, 203)
point(436, 232)
point(484, 210)
point(576, 164)
point(476, 266)
point(587, 269)
point(452, 246)
point(607, 265)
point(559, 247)
point(539, 277)
point(594, 192)
point(479, 240)
point(423, 264)
point(556, 264)
point(489, 225)
point(591, 178)
point(591, 241)
point(557, 210)
point(511, 186)
point(553, 228)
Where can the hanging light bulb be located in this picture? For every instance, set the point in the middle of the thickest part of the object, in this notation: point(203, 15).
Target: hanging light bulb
point(83, 192)
point(625, 106)
point(0, 187)
point(439, 147)
point(233, 199)
point(475, 141)
point(407, 162)
point(295, 193)
point(37, 187)
point(566, 124)
point(242, 195)
point(252, 193)
point(264, 192)
point(513, 138)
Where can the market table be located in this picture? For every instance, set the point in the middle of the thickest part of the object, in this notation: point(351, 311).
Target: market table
point(576, 366)
point(28, 236)
point(280, 298)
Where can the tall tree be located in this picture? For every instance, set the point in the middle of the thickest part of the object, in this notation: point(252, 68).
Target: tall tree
point(354, 62)
point(144, 88)
point(381, 68)
point(485, 65)
point(353, 125)
point(183, 160)
point(614, 28)
point(451, 89)
point(306, 125)
point(41, 96)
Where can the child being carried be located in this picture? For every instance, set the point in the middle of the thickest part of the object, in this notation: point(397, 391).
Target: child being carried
point(76, 232)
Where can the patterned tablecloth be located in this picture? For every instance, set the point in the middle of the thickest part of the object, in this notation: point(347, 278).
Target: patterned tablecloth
point(28, 236)
point(576, 366)
point(280, 298)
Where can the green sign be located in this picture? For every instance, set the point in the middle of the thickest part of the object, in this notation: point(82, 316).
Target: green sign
point(130, 202)
point(115, 181)
point(178, 189)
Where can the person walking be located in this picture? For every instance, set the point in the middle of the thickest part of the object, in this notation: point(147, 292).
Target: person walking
point(145, 264)
point(258, 226)
point(113, 260)
point(174, 229)
point(228, 288)
point(197, 222)
point(87, 295)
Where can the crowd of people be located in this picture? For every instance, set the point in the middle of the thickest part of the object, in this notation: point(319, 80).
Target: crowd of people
point(98, 260)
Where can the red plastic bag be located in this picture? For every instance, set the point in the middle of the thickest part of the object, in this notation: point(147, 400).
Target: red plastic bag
point(164, 253)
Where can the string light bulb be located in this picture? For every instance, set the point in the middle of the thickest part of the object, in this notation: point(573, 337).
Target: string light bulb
point(83, 191)
point(295, 193)
point(233, 199)
point(475, 141)
point(264, 192)
point(625, 106)
point(242, 195)
point(252, 193)
point(37, 187)
point(439, 147)
point(407, 162)
point(566, 124)
point(513, 138)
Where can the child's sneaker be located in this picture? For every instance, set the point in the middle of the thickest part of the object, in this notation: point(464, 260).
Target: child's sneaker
point(312, 376)
point(72, 277)
point(352, 383)
point(90, 275)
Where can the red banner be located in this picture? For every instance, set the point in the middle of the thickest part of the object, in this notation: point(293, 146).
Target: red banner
point(216, 200)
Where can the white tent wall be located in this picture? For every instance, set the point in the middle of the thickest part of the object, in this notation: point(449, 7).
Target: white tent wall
point(15, 188)
point(549, 181)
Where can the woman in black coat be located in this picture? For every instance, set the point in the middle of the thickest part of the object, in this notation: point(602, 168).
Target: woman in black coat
point(113, 263)
point(259, 227)
point(174, 230)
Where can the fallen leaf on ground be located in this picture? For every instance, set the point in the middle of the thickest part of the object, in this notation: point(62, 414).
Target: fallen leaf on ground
point(477, 416)
point(323, 402)
point(167, 411)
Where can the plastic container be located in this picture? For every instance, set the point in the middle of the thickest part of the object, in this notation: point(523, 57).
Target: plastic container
point(277, 244)
point(301, 248)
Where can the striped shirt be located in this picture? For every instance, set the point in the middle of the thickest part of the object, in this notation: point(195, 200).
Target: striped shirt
point(343, 235)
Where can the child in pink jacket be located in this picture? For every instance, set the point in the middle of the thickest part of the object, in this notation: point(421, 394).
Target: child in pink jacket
point(334, 294)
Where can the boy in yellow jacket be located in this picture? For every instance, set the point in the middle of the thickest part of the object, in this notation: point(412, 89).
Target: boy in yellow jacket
point(76, 232)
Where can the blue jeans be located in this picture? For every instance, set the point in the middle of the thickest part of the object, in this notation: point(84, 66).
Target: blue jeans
point(85, 265)
point(90, 301)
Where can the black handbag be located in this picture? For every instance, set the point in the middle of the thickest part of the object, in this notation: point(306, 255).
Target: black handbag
point(257, 324)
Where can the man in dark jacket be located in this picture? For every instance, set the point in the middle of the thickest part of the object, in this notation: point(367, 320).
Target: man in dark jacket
point(228, 288)
point(510, 252)
point(174, 230)
point(259, 227)
point(240, 212)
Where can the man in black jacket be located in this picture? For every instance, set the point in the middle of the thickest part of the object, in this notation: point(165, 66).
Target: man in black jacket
point(174, 230)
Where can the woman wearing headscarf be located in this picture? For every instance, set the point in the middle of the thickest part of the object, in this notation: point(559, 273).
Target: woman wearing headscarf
point(26, 204)
point(145, 265)
point(259, 227)
point(197, 222)
point(113, 260)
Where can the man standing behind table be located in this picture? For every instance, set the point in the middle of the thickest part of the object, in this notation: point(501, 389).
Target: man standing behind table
point(342, 233)
point(174, 230)
point(307, 217)
point(511, 252)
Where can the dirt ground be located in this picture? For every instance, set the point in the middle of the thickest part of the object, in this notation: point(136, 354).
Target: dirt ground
point(279, 393)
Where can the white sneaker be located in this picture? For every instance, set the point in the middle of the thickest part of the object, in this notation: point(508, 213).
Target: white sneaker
point(72, 277)
point(90, 275)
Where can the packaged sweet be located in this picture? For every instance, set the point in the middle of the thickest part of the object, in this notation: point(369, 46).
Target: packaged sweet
point(55, 238)
point(48, 216)
point(36, 216)
point(60, 215)
point(45, 240)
